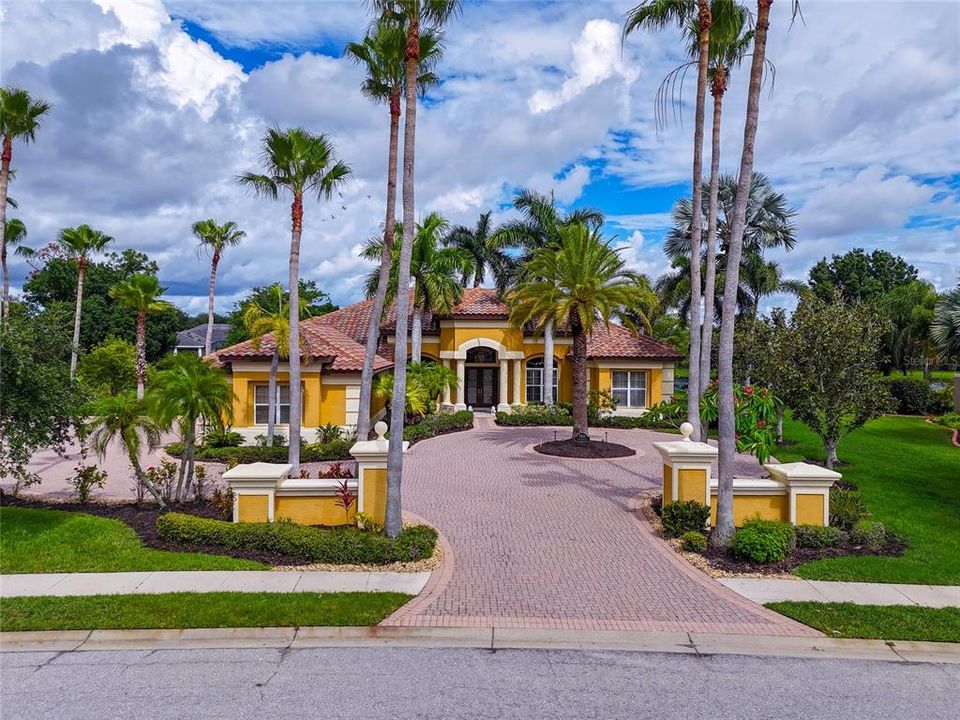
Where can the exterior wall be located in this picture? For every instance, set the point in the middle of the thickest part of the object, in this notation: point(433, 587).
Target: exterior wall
point(453, 336)
point(375, 493)
point(810, 509)
point(768, 507)
point(312, 510)
point(659, 380)
point(244, 382)
point(692, 484)
point(333, 400)
point(253, 508)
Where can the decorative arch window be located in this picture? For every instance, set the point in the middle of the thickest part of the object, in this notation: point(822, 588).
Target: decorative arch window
point(535, 380)
point(481, 355)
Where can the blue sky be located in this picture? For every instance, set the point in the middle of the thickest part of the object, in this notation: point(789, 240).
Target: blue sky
point(160, 103)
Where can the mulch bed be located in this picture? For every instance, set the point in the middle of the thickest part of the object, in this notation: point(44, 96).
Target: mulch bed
point(725, 560)
point(591, 450)
point(143, 520)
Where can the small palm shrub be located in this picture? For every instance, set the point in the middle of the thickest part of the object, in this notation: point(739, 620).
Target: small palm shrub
point(763, 541)
point(817, 537)
point(693, 541)
point(222, 438)
point(684, 516)
point(846, 508)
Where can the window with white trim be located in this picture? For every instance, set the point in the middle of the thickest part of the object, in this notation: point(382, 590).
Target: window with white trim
point(629, 388)
point(535, 380)
point(261, 406)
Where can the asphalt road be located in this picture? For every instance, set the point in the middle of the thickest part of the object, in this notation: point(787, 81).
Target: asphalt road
point(372, 683)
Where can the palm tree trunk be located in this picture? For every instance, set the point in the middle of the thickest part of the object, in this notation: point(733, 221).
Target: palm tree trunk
point(696, 224)
point(142, 478)
point(296, 401)
point(727, 444)
point(75, 348)
point(386, 260)
point(4, 184)
point(191, 458)
point(208, 343)
point(272, 396)
point(416, 334)
point(547, 393)
point(141, 352)
point(580, 422)
point(183, 461)
point(709, 290)
point(393, 522)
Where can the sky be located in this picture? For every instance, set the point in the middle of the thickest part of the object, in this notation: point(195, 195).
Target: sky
point(160, 104)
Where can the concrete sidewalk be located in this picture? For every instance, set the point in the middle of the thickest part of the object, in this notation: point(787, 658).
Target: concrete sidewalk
point(764, 590)
point(142, 583)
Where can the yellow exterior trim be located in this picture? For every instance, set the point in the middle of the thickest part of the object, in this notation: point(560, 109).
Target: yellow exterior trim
point(667, 484)
point(692, 484)
point(252, 508)
point(654, 387)
point(375, 493)
point(809, 509)
point(313, 510)
point(745, 507)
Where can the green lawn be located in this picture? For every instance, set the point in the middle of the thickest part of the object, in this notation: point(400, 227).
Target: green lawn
point(197, 610)
point(937, 375)
point(909, 475)
point(46, 541)
point(893, 622)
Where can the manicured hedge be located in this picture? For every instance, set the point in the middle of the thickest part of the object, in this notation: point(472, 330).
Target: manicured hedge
point(560, 414)
point(438, 424)
point(912, 396)
point(340, 546)
point(313, 452)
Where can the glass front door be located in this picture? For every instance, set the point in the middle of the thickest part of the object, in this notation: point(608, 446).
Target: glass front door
point(482, 385)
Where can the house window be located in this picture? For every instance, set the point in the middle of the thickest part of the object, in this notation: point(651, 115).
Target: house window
point(630, 388)
point(535, 381)
point(261, 399)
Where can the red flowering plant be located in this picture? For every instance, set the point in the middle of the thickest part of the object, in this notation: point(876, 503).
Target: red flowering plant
point(345, 497)
point(755, 416)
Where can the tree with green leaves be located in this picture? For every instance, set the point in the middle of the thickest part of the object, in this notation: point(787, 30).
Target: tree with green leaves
point(215, 238)
point(314, 302)
point(81, 243)
point(761, 278)
point(828, 368)
point(382, 54)
point(909, 310)
point(141, 293)
point(945, 332)
point(860, 277)
point(125, 419)
point(110, 368)
point(186, 390)
point(580, 282)
point(297, 163)
point(415, 16)
point(19, 120)
point(475, 244)
point(14, 234)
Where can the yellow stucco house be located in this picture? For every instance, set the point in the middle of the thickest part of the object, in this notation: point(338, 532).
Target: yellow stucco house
point(498, 366)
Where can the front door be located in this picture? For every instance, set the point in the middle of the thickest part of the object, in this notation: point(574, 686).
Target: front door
point(482, 385)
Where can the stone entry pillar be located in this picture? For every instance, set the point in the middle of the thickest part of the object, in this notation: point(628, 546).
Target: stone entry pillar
point(371, 456)
point(504, 405)
point(686, 468)
point(446, 390)
point(461, 386)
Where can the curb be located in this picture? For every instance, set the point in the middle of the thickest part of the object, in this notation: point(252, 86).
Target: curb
point(488, 638)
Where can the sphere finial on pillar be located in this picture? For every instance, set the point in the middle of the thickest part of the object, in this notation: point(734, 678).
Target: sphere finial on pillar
point(381, 430)
point(686, 429)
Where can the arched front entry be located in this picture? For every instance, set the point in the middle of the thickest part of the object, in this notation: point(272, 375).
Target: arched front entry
point(482, 378)
point(483, 370)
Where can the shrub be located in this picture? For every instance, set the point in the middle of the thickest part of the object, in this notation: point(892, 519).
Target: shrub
point(222, 501)
point(912, 396)
point(846, 508)
point(950, 419)
point(942, 400)
point(315, 452)
point(438, 424)
point(693, 541)
point(684, 516)
point(279, 441)
point(222, 438)
point(337, 470)
point(817, 536)
point(200, 482)
point(328, 433)
point(85, 478)
point(763, 541)
point(339, 546)
point(537, 414)
point(366, 522)
point(868, 534)
point(164, 478)
point(656, 504)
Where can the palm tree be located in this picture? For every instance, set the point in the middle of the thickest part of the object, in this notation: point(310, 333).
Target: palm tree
point(260, 322)
point(81, 242)
point(14, 233)
point(657, 14)
point(945, 328)
point(184, 392)
point(579, 282)
point(126, 418)
point(475, 244)
point(435, 272)
point(641, 314)
point(19, 119)
point(297, 162)
point(760, 278)
point(411, 13)
point(537, 228)
point(382, 54)
point(727, 424)
point(140, 293)
point(215, 239)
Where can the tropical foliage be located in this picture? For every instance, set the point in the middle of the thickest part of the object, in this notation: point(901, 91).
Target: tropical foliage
point(214, 239)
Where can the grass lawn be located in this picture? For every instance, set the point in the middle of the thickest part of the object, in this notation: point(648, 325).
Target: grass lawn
point(908, 474)
point(894, 622)
point(46, 541)
point(197, 610)
point(936, 376)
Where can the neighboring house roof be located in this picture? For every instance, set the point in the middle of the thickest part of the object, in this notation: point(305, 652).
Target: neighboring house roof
point(197, 336)
point(339, 337)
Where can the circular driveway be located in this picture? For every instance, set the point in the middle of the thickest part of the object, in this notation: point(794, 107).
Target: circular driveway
point(542, 541)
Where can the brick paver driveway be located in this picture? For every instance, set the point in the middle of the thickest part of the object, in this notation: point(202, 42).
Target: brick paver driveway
point(539, 541)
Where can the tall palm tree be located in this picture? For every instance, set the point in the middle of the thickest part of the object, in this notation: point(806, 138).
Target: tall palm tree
point(297, 162)
point(260, 322)
point(140, 293)
point(537, 228)
point(760, 278)
point(412, 14)
point(945, 328)
point(580, 282)
point(475, 243)
point(641, 314)
point(215, 239)
point(14, 233)
point(184, 392)
point(19, 119)
point(727, 424)
point(382, 53)
point(127, 419)
point(657, 14)
point(81, 243)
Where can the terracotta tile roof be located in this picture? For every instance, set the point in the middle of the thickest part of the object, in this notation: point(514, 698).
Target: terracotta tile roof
point(616, 341)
